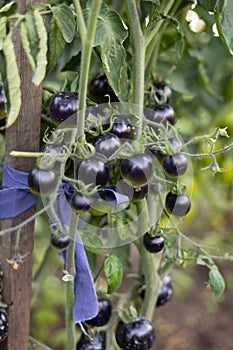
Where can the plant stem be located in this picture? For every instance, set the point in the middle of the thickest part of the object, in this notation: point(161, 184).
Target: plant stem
point(80, 19)
point(138, 45)
point(150, 266)
point(165, 10)
point(34, 342)
point(70, 267)
point(87, 37)
point(26, 154)
point(24, 223)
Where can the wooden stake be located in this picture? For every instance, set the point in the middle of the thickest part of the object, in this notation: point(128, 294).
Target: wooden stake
point(23, 135)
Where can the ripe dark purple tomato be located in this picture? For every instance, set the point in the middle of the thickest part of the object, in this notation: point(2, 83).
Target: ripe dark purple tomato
point(175, 165)
point(104, 314)
point(60, 240)
point(80, 203)
point(165, 291)
point(177, 204)
point(42, 182)
point(63, 105)
point(98, 343)
point(4, 325)
point(93, 171)
point(137, 169)
point(99, 88)
point(107, 144)
point(162, 114)
point(121, 128)
point(135, 335)
point(160, 152)
point(153, 244)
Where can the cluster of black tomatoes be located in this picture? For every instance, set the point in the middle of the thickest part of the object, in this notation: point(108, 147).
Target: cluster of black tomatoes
point(134, 174)
point(135, 334)
point(125, 335)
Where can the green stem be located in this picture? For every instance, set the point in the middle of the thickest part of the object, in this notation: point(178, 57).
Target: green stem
point(138, 46)
point(24, 223)
point(87, 37)
point(34, 342)
point(70, 268)
point(150, 266)
point(165, 10)
point(80, 19)
point(26, 154)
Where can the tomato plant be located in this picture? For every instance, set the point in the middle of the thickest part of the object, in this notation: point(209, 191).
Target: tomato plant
point(130, 95)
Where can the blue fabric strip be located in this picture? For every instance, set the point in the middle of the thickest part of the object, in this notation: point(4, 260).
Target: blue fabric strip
point(15, 198)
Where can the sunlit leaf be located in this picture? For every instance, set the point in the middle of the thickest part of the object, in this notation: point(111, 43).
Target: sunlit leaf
point(11, 8)
point(26, 45)
point(3, 21)
point(32, 34)
point(41, 59)
point(13, 79)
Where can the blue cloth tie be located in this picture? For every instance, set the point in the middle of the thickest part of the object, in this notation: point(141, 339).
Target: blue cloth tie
point(15, 198)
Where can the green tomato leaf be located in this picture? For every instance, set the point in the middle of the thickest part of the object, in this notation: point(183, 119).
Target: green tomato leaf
point(11, 8)
point(26, 45)
point(65, 21)
point(91, 241)
point(204, 260)
point(3, 21)
point(32, 35)
point(13, 80)
point(122, 228)
point(56, 44)
point(41, 59)
point(223, 15)
point(110, 35)
point(113, 271)
point(205, 81)
point(216, 281)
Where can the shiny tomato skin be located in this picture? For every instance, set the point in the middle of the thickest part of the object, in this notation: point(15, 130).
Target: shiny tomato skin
point(63, 105)
point(138, 169)
point(99, 88)
point(94, 170)
point(175, 165)
point(80, 203)
point(177, 204)
point(42, 182)
point(136, 335)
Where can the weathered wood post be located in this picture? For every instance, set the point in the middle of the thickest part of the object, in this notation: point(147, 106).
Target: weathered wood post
point(23, 135)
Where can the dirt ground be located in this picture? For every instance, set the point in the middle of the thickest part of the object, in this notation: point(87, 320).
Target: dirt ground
point(196, 320)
